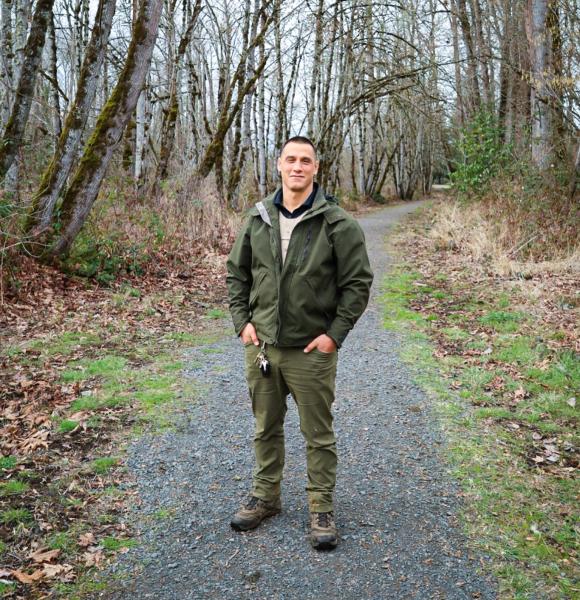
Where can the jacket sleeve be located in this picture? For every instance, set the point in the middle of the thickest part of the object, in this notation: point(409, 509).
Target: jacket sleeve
point(353, 277)
point(239, 278)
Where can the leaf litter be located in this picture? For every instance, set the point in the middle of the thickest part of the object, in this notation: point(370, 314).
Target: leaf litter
point(53, 531)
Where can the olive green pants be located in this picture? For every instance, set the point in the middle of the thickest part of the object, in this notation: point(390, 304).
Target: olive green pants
point(310, 379)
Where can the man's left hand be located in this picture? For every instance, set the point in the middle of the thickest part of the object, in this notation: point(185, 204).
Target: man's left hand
point(323, 342)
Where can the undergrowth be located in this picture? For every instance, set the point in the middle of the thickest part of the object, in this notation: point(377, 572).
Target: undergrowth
point(502, 370)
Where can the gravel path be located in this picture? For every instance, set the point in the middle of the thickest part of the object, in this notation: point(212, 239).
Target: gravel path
point(396, 507)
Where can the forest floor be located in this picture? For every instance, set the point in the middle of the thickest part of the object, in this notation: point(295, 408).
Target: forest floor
point(125, 444)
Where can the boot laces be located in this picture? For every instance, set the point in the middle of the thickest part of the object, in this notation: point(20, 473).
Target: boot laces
point(324, 519)
point(252, 502)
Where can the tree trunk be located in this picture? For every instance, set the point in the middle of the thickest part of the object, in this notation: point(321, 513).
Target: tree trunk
point(53, 60)
point(541, 70)
point(311, 105)
point(54, 177)
point(474, 95)
point(14, 132)
point(140, 114)
point(460, 101)
point(6, 60)
point(86, 182)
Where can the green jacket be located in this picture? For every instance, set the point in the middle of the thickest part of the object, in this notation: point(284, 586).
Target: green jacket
point(323, 286)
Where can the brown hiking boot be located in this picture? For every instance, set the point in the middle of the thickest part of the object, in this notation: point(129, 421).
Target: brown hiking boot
point(323, 530)
point(253, 512)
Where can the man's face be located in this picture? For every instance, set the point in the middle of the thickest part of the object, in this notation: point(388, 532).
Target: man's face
point(298, 166)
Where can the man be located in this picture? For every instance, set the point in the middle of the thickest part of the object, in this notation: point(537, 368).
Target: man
point(298, 280)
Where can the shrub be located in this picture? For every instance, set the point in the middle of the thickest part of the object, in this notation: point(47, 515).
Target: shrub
point(481, 153)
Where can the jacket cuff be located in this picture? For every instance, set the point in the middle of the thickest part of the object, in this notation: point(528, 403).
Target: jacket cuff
point(239, 324)
point(338, 334)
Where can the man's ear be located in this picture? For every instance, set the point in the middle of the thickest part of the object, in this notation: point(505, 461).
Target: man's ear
point(316, 165)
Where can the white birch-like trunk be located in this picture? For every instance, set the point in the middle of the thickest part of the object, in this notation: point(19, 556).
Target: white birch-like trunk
point(140, 135)
point(539, 41)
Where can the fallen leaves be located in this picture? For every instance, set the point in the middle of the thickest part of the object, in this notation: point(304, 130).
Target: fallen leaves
point(44, 555)
point(40, 337)
point(27, 578)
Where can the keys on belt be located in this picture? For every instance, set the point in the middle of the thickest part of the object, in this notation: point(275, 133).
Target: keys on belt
point(262, 361)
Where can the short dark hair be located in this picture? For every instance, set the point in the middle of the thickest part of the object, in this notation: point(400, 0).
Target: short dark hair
point(299, 139)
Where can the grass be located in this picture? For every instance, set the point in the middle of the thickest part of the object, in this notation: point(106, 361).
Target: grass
point(108, 366)
point(6, 588)
point(15, 516)
point(83, 587)
point(103, 465)
point(66, 426)
point(519, 515)
point(113, 544)
point(65, 541)
point(502, 321)
point(66, 342)
point(130, 377)
point(13, 488)
point(217, 313)
point(7, 463)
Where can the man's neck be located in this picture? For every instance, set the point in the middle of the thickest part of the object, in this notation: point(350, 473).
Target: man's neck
point(292, 200)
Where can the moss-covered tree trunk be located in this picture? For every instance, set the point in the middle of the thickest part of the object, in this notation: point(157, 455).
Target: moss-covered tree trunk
point(14, 132)
point(87, 178)
point(6, 59)
point(230, 108)
point(54, 177)
point(170, 114)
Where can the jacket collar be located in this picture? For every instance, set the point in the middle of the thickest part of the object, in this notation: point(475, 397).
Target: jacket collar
point(318, 206)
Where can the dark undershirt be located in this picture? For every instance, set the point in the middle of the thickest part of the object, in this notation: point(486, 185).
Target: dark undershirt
point(278, 201)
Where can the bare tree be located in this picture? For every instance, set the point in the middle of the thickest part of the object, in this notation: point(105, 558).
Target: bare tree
point(86, 181)
point(55, 176)
point(14, 131)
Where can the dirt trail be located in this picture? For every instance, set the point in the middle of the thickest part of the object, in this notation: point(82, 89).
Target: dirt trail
point(396, 507)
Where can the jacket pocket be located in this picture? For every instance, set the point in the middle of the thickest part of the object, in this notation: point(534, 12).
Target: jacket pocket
point(256, 288)
point(324, 311)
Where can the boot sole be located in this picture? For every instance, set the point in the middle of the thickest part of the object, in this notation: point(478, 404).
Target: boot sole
point(323, 544)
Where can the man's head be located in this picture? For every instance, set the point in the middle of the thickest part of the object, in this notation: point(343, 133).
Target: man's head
point(298, 164)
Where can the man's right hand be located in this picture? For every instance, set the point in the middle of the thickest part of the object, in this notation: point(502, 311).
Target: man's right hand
point(249, 335)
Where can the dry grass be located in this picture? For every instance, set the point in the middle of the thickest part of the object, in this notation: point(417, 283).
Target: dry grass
point(494, 243)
